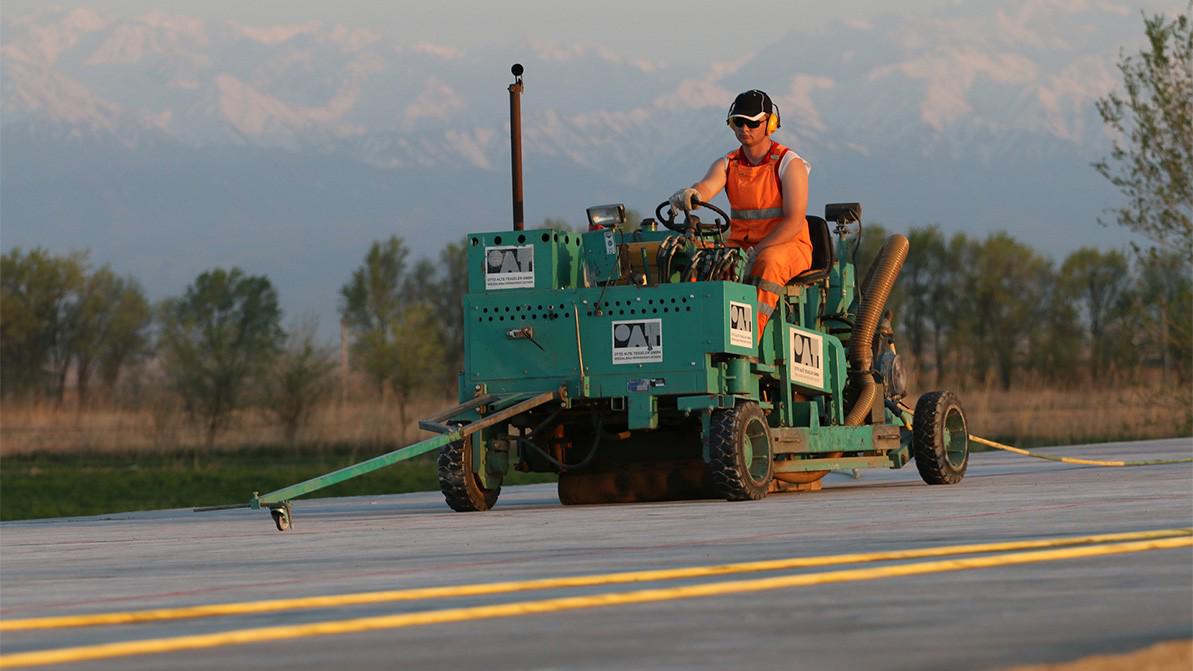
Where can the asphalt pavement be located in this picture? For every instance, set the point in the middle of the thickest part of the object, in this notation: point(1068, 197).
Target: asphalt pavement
point(876, 611)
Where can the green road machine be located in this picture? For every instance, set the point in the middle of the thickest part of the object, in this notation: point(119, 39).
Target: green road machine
point(629, 363)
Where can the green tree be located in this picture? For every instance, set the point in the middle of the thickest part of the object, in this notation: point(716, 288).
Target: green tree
point(414, 356)
point(110, 328)
point(369, 304)
point(953, 310)
point(420, 284)
point(301, 377)
point(921, 282)
point(1098, 282)
point(126, 327)
point(1151, 160)
point(39, 305)
point(220, 336)
point(26, 304)
point(453, 259)
point(1124, 340)
point(92, 308)
point(1055, 354)
point(1165, 299)
point(57, 314)
point(397, 319)
point(441, 288)
point(72, 330)
point(1007, 285)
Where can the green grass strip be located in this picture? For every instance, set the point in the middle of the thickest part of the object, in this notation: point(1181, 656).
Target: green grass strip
point(61, 485)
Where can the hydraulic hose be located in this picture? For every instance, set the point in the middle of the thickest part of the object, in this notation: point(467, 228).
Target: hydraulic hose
point(876, 289)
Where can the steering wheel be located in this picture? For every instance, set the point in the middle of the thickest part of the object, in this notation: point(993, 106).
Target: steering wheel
point(668, 219)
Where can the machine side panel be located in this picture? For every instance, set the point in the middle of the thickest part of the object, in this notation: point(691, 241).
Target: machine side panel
point(655, 340)
point(522, 339)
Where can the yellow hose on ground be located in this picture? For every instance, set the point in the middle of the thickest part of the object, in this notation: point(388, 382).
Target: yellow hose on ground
point(1064, 460)
point(1076, 460)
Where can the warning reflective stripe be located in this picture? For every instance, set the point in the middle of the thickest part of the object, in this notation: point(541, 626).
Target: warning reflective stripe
point(766, 285)
point(766, 309)
point(766, 213)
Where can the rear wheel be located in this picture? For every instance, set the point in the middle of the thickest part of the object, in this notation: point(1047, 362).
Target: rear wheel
point(740, 459)
point(940, 438)
point(459, 484)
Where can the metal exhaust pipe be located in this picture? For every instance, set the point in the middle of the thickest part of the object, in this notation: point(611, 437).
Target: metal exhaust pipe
point(516, 144)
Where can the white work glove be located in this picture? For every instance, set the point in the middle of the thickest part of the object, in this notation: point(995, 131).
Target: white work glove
point(685, 199)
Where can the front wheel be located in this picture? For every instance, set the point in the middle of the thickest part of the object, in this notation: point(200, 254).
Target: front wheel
point(940, 438)
point(740, 459)
point(460, 485)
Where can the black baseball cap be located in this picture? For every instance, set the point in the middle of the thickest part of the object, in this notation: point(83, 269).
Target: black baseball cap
point(752, 105)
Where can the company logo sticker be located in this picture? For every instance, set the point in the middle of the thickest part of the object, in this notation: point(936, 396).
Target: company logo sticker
point(741, 324)
point(805, 360)
point(639, 341)
point(509, 267)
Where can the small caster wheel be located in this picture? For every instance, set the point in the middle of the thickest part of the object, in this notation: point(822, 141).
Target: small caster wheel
point(281, 517)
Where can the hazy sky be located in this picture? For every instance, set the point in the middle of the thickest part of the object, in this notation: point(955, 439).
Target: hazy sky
point(665, 32)
point(662, 31)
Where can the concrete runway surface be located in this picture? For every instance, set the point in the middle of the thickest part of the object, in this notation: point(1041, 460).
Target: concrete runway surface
point(1060, 603)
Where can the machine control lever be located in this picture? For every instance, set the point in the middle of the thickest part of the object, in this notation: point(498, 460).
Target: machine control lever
point(524, 333)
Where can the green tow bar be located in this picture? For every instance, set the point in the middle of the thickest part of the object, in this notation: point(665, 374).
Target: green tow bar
point(278, 501)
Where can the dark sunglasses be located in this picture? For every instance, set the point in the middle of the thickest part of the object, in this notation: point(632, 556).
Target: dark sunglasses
point(739, 122)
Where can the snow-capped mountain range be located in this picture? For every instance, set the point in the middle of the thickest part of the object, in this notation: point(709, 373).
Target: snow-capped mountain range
point(168, 144)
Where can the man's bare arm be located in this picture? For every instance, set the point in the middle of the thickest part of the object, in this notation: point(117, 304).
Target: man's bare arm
point(795, 207)
point(712, 182)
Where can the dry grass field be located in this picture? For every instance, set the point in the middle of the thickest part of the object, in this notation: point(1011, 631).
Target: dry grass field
point(58, 460)
point(1030, 417)
point(1076, 416)
point(162, 427)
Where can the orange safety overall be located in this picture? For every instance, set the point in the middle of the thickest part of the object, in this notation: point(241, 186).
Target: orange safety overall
point(756, 206)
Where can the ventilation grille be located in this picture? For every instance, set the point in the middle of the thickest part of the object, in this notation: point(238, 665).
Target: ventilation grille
point(650, 306)
point(525, 312)
point(549, 311)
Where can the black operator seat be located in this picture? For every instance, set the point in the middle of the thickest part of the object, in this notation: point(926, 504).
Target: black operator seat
point(822, 253)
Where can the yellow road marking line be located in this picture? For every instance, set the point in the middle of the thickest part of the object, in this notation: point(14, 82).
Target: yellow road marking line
point(363, 624)
point(271, 605)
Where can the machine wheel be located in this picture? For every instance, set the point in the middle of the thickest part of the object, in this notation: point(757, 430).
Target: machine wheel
point(460, 486)
point(281, 517)
point(940, 438)
point(740, 459)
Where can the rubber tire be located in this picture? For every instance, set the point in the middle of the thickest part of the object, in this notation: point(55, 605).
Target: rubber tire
point(460, 486)
point(730, 473)
point(927, 438)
